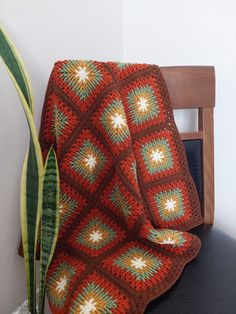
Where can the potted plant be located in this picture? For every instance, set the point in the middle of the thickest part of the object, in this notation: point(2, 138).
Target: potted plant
point(39, 188)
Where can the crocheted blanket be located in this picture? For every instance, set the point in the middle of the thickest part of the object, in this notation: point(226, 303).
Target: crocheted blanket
point(126, 195)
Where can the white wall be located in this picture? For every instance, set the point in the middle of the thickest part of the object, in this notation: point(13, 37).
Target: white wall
point(188, 32)
point(154, 31)
point(43, 32)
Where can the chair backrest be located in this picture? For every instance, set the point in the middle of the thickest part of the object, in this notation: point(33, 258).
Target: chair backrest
point(194, 87)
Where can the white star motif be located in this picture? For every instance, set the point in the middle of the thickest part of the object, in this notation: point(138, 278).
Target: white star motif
point(143, 104)
point(138, 263)
point(95, 236)
point(88, 307)
point(157, 156)
point(61, 284)
point(118, 121)
point(61, 208)
point(170, 205)
point(82, 74)
point(90, 161)
point(168, 241)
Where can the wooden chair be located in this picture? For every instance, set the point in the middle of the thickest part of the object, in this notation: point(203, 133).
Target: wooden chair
point(208, 284)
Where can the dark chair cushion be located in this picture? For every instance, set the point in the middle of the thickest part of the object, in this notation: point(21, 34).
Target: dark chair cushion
point(208, 283)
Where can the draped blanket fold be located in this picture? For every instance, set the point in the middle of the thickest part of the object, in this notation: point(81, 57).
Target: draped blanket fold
point(126, 195)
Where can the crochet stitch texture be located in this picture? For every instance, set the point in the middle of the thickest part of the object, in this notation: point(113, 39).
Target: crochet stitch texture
point(126, 195)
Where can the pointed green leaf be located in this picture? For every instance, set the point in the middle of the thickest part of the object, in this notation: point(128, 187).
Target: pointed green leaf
point(15, 66)
point(49, 221)
point(29, 207)
point(31, 181)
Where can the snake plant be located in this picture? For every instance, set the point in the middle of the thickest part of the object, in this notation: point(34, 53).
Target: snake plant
point(39, 185)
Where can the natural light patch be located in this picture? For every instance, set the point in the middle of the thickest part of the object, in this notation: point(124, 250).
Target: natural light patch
point(186, 120)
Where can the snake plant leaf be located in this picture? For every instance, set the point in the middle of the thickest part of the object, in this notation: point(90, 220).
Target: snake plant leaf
point(31, 181)
point(15, 66)
point(29, 221)
point(49, 221)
